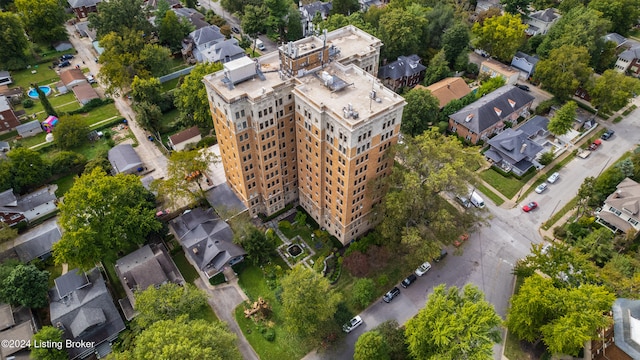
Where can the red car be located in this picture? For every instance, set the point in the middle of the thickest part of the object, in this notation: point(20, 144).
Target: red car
point(530, 206)
point(460, 240)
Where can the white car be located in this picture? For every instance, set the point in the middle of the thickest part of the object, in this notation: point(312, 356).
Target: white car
point(553, 178)
point(352, 324)
point(422, 269)
point(542, 187)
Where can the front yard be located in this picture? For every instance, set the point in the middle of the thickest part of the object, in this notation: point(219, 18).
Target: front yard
point(507, 185)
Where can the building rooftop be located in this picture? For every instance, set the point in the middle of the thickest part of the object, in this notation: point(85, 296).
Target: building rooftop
point(446, 90)
point(37, 241)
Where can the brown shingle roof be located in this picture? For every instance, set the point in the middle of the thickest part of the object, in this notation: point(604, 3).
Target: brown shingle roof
point(68, 76)
point(452, 88)
point(84, 92)
point(184, 135)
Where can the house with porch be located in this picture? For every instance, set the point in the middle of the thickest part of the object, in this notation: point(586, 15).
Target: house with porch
point(541, 21)
point(517, 150)
point(29, 207)
point(308, 13)
point(200, 41)
point(487, 115)
point(621, 209)
point(406, 72)
point(207, 241)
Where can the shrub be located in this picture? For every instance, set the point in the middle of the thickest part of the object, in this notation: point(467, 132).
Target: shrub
point(27, 103)
point(284, 225)
point(65, 162)
point(546, 158)
point(363, 292)
point(382, 280)
point(545, 106)
point(268, 333)
point(207, 141)
point(95, 103)
point(559, 232)
point(217, 279)
point(166, 103)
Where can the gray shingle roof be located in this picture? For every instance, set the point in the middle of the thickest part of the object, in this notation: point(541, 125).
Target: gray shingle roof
point(405, 66)
point(124, 158)
point(226, 51)
point(80, 3)
point(30, 126)
point(10, 203)
point(483, 113)
point(630, 54)
point(615, 37)
point(206, 35)
point(622, 310)
point(323, 8)
point(547, 15)
point(38, 241)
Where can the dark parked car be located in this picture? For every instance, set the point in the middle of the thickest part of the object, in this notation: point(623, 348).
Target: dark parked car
point(408, 281)
point(391, 294)
point(443, 254)
point(235, 30)
point(64, 64)
point(66, 57)
point(523, 87)
point(607, 134)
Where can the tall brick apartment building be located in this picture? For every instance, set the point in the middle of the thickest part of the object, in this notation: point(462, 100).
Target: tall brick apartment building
point(308, 123)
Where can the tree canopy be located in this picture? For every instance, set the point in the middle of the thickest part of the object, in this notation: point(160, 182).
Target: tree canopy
point(455, 42)
point(24, 285)
point(168, 302)
point(27, 169)
point(184, 339)
point(119, 16)
point(43, 19)
point(453, 325)
point(420, 113)
point(566, 69)
point(102, 215)
point(258, 245)
point(622, 14)
point(14, 42)
point(612, 91)
point(371, 345)
point(402, 31)
point(563, 119)
point(48, 333)
point(345, 7)
point(308, 301)
point(71, 131)
point(191, 96)
point(501, 36)
point(438, 69)
point(173, 30)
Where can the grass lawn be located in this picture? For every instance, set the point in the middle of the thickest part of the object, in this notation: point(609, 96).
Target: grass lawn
point(490, 194)
point(171, 84)
point(33, 140)
point(114, 280)
point(205, 314)
point(101, 113)
point(43, 76)
point(54, 271)
point(188, 272)
point(284, 346)
point(91, 149)
point(64, 184)
point(508, 186)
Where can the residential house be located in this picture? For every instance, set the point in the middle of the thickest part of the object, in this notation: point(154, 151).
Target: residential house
point(80, 305)
point(4, 146)
point(516, 150)
point(525, 63)
point(62, 46)
point(541, 21)
point(124, 159)
point(200, 40)
point(148, 266)
point(629, 61)
point(193, 16)
point(308, 13)
point(487, 115)
point(621, 340)
point(31, 128)
point(37, 242)
point(5, 78)
point(14, 95)
point(82, 8)
point(406, 72)
point(366, 4)
point(84, 30)
point(222, 52)
point(16, 325)
point(495, 68)
point(185, 137)
point(84, 93)
point(29, 207)
point(70, 79)
point(446, 90)
point(8, 119)
point(615, 38)
point(207, 241)
point(621, 209)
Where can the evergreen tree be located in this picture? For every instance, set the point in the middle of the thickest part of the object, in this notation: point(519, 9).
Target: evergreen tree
point(48, 108)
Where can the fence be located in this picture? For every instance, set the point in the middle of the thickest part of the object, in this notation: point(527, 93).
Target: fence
point(176, 74)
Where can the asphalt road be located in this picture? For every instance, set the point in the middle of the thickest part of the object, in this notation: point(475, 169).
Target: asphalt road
point(492, 250)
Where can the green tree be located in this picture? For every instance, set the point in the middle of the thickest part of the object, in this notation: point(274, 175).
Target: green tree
point(191, 96)
point(46, 334)
point(490, 85)
point(605, 55)
point(168, 302)
point(566, 69)
point(254, 20)
point(515, 7)
point(371, 345)
point(7, 232)
point(71, 132)
point(294, 24)
point(501, 36)
point(14, 42)
point(258, 246)
point(420, 113)
point(580, 27)
point(438, 69)
point(278, 10)
point(101, 216)
point(440, 18)
point(402, 32)
point(25, 285)
point(455, 42)
point(43, 19)
point(622, 14)
point(345, 7)
point(183, 339)
point(454, 325)
point(307, 302)
point(337, 21)
point(564, 318)
point(393, 336)
point(364, 290)
point(161, 10)
point(598, 245)
point(149, 90)
point(126, 55)
point(563, 119)
point(119, 16)
point(612, 91)
point(178, 185)
point(148, 115)
point(48, 108)
point(172, 30)
point(28, 169)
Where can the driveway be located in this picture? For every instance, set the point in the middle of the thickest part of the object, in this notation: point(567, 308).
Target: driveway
point(151, 156)
point(491, 252)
